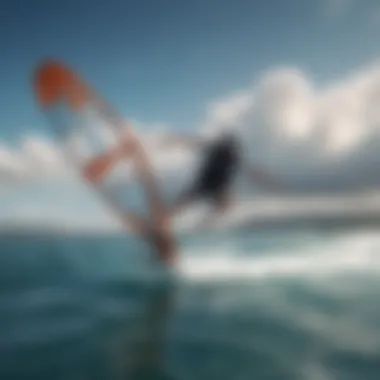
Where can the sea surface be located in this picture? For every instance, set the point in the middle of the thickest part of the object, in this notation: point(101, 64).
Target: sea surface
point(270, 304)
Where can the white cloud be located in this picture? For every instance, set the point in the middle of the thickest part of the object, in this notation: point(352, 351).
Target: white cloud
point(296, 127)
point(228, 111)
point(37, 157)
point(285, 103)
point(34, 158)
point(10, 162)
point(289, 123)
point(41, 155)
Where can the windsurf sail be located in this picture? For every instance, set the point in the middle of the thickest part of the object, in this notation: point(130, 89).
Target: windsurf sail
point(95, 139)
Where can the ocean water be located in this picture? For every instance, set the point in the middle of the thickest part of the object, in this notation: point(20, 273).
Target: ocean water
point(271, 304)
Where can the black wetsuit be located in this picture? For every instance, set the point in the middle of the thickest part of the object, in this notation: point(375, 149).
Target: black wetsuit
point(217, 170)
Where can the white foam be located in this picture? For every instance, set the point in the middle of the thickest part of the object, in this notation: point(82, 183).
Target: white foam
point(342, 254)
point(286, 208)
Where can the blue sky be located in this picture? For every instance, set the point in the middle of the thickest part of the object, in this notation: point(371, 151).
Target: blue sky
point(168, 61)
point(163, 61)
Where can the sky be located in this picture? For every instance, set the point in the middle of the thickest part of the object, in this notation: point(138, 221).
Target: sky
point(298, 79)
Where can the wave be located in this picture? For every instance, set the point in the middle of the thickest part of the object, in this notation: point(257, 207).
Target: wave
point(342, 254)
point(272, 211)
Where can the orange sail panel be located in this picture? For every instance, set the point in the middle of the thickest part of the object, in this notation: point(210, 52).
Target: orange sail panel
point(54, 83)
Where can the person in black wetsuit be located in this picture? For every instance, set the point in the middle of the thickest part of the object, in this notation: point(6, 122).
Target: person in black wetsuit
point(214, 178)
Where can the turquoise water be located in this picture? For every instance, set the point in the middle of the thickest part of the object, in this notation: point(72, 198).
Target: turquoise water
point(286, 304)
